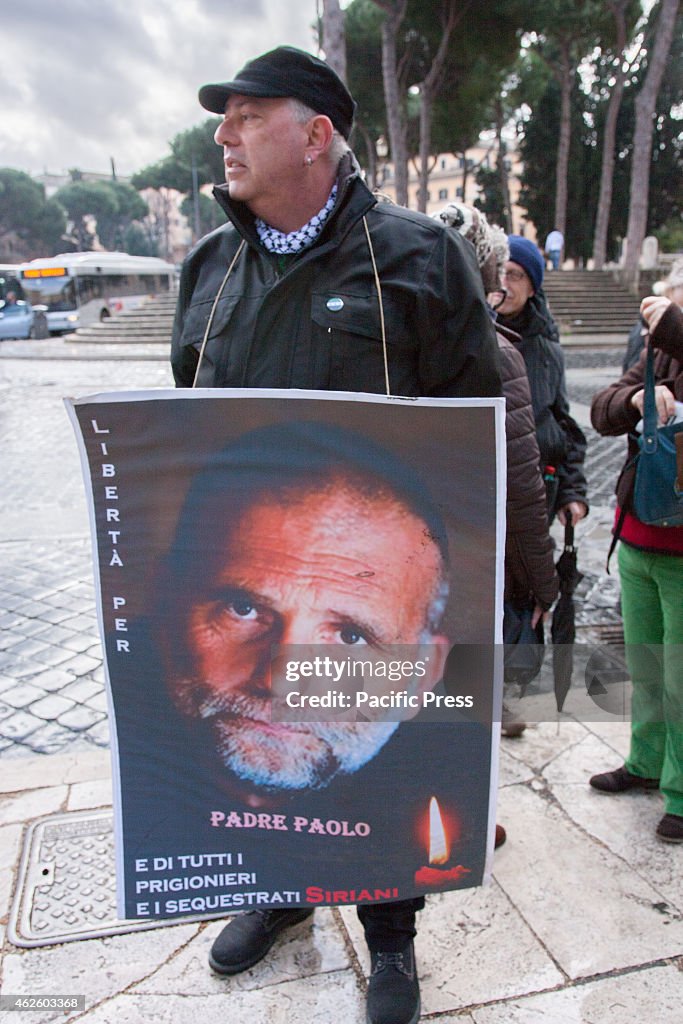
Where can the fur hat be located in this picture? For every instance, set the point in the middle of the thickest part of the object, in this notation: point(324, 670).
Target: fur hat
point(489, 241)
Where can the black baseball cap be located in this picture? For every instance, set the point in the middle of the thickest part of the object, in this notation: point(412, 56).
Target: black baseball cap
point(288, 72)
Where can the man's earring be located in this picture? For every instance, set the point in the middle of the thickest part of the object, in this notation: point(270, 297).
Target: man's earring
point(309, 161)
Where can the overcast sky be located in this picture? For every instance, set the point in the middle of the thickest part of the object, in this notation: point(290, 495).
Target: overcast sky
point(86, 80)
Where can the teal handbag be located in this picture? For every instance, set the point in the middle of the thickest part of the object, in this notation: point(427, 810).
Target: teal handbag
point(658, 489)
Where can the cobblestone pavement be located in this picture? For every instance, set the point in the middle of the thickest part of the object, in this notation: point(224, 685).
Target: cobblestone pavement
point(51, 676)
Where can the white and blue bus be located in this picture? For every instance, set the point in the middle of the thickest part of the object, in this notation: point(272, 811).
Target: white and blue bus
point(79, 288)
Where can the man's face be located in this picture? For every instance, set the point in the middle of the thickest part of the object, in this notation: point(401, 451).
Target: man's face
point(263, 151)
point(519, 289)
point(326, 568)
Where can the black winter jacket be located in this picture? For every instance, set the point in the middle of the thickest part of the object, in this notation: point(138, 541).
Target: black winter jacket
point(561, 441)
point(529, 566)
point(315, 324)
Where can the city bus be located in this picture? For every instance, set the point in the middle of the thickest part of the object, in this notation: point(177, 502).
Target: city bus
point(79, 288)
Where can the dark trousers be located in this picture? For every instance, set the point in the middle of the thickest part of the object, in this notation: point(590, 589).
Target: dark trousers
point(389, 927)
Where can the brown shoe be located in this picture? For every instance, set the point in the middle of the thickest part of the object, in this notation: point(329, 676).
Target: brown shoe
point(501, 836)
point(513, 730)
point(620, 781)
point(670, 829)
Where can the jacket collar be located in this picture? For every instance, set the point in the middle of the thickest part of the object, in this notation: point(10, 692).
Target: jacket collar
point(507, 332)
point(354, 199)
point(526, 323)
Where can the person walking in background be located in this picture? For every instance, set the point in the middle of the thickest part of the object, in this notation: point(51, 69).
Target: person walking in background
point(554, 244)
point(561, 441)
point(651, 574)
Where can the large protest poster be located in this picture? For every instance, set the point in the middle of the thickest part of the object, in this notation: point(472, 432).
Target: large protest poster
point(299, 597)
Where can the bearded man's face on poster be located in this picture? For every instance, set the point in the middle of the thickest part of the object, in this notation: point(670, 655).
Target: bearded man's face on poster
point(333, 567)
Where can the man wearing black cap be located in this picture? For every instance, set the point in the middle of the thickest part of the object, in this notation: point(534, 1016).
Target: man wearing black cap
point(314, 284)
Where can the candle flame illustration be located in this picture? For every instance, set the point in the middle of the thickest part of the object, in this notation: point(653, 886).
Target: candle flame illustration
point(438, 846)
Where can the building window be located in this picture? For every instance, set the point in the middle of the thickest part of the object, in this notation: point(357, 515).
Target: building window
point(460, 192)
point(443, 193)
point(443, 163)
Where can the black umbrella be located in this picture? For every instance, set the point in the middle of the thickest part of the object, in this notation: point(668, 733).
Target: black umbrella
point(563, 629)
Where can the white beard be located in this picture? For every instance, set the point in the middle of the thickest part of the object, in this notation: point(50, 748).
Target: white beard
point(278, 755)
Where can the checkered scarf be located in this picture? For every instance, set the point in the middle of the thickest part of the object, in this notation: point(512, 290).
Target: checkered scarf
point(296, 241)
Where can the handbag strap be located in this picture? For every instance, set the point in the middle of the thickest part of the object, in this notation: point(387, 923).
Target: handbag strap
point(649, 442)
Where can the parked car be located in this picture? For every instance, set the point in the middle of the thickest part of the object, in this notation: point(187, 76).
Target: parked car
point(19, 319)
point(16, 317)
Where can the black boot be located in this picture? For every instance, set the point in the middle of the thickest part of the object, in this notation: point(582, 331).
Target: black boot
point(248, 937)
point(393, 989)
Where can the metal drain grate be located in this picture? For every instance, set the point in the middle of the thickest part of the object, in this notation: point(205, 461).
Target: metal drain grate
point(66, 888)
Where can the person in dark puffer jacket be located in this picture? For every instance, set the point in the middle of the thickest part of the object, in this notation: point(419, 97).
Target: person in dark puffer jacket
point(529, 567)
point(530, 576)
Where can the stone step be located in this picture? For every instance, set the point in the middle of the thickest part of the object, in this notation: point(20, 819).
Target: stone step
point(590, 302)
point(123, 339)
point(150, 322)
point(110, 336)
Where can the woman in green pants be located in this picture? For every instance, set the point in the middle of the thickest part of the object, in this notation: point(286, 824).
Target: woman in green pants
point(651, 573)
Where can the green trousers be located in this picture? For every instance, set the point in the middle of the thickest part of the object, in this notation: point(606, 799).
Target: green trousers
point(652, 611)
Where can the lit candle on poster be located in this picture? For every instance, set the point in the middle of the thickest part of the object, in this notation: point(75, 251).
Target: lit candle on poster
point(434, 875)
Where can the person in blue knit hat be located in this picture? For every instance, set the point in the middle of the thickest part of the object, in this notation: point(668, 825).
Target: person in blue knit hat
point(561, 441)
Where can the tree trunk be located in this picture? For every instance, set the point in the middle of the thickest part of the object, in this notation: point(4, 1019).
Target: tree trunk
point(334, 39)
point(609, 140)
point(502, 169)
point(429, 88)
point(395, 13)
point(565, 74)
point(642, 138)
point(425, 145)
point(371, 155)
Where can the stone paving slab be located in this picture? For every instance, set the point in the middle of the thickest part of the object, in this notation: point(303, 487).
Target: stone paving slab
point(321, 1000)
point(98, 969)
point(312, 948)
point(650, 995)
point(601, 918)
point(453, 950)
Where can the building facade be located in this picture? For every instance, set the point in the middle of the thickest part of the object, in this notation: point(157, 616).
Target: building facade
point(454, 177)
